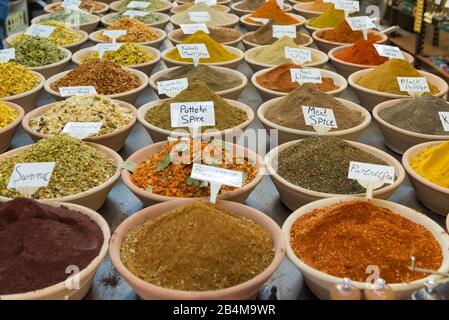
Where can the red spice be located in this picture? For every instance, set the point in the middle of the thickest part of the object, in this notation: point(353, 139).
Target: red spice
point(362, 52)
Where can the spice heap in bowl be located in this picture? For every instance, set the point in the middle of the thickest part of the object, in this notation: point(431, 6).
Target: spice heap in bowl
point(80, 20)
point(330, 18)
point(152, 5)
point(90, 6)
point(216, 18)
point(225, 36)
point(151, 19)
point(11, 116)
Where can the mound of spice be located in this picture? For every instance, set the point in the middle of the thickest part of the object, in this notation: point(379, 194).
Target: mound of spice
point(70, 16)
point(264, 36)
point(213, 78)
point(148, 18)
point(107, 77)
point(79, 167)
point(384, 77)
point(41, 241)
point(330, 18)
point(199, 246)
point(217, 53)
point(90, 6)
point(288, 112)
point(36, 52)
point(226, 116)
point(279, 79)
point(217, 18)
point(417, 115)
point(16, 79)
point(344, 34)
point(7, 114)
point(250, 5)
point(84, 108)
point(152, 5)
point(321, 163)
point(275, 54)
point(343, 239)
point(136, 31)
point(221, 35)
point(167, 172)
point(270, 10)
point(320, 6)
point(432, 164)
point(62, 35)
point(127, 55)
point(362, 52)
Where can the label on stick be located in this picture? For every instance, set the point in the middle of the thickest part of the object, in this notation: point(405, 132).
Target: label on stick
point(194, 50)
point(192, 28)
point(192, 114)
point(114, 34)
point(219, 175)
point(199, 16)
point(346, 5)
point(208, 2)
point(388, 51)
point(7, 54)
point(360, 23)
point(33, 174)
point(38, 30)
point(280, 31)
point(71, 4)
point(172, 87)
point(413, 84)
point(298, 54)
point(444, 117)
point(320, 117)
point(370, 172)
point(135, 13)
point(76, 91)
point(81, 130)
point(138, 4)
point(305, 75)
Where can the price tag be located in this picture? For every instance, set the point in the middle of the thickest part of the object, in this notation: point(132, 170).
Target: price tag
point(319, 117)
point(7, 54)
point(444, 117)
point(193, 51)
point(298, 55)
point(261, 20)
point(280, 31)
point(363, 23)
point(38, 30)
point(347, 6)
point(71, 4)
point(305, 75)
point(103, 47)
point(138, 4)
point(76, 91)
point(192, 114)
point(81, 130)
point(27, 178)
point(217, 177)
point(192, 28)
point(114, 34)
point(388, 51)
point(371, 172)
point(208, 2)
point(413, 85)
point(135, 13)
point(199, 16)
point(172, 87)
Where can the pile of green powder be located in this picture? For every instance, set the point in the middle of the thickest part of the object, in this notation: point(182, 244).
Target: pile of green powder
point(417, 115)
point(321, 164)
point(214, 79)
point(36, 52)
point(226, 116)
point(79, 167)
point(197, 247)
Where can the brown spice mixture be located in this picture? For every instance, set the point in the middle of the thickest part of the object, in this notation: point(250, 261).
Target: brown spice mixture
point(345, 238)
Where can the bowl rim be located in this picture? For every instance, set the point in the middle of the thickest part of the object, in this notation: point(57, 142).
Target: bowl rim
point(65, 60)
point(162, 33)
point(301, 20)
point(95, 20)
point(234, 50)
point(85, 35)
point(165, 19)
point(29, 92)
point(399, 170)
point(287, 7)
point(299, 6)
point(114, 6)
point(90, 268)
point(246, 34)
point(231, 16)
point(171, 35)
point(15, 122)
point(412, 215)
point(316, 37)
point(48, 8)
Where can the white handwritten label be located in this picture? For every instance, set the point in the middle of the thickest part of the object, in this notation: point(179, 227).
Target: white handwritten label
point(319, 117)
point(172, 87)
point(7, 54)
point(114, 34)
point(31, 175)
point(305, 75)
point(348, 6)
point(103, 47)
point(388, 51)
point(444, 117)
point(138, 4)
point(298, 55)
point(192, 114)
point(360, 23)
point(216, 174)
point(370, 172)
point(76, 91)
point(261, 20)
point(413, 84)
point(280, 31)
point(135, 13)
point(81, 130)
point(192, 28)
point(199, 16)
point(208, 2)
point(71, 4)
point(38, 30)
point(194, 50)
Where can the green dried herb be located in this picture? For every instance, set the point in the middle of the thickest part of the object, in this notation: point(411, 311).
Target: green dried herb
point(164, 163)
point(151, 17)
point(35, 52)
point(129, 165)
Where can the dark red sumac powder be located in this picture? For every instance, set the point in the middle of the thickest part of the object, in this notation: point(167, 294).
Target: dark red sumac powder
point(38, 242)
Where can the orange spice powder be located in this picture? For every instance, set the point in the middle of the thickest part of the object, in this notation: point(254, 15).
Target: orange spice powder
point(362, 52)
point(344, 34)
point(271, 11)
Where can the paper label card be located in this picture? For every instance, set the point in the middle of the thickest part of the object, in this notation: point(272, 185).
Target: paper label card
point(388, 51)
point(194, 50)
point(71, 4)
point(371, 172)
point(114, 34)
point(135, 13)
point(7, 54)
point(305, 75)
point(38, 30)
point(81, 130)
point(192, 28)
point(280, 31)
point(320, 117)
point(172, 87)
point(360, 23)
point(29, 175)
point(192, 114)
point(219, 175)
point(199, 16)
point(107, 47)
point(346, 5)
point(208, 2)
point(444, 117)
point(261, 20)
point(76, 91)
point(298, 54)
point(413, 84)
point(138, 4)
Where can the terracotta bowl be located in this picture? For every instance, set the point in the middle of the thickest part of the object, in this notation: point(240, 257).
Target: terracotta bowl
point(294, 196)
point(73, 47)
point(268, 94)
point(433, 196)
point(301, 9)
point(231, 64)
point(146, 67)
point(149, 199)
point(128, 96)
point(184, 7)
point(51, 69)
point(221, 2)
point(7, 133)
point(158, 134)
point(105, 20)
point(177, 36)
point(233, 20)
point(92, 198)
point(241, 12)
point(247, 290)
point(87, 27)
point(115, 6)
point(249, 45)
point(321, 283)
point(326, 46)
point(253, 27)
point(257, 66)
point(288, 134)
point(154, 43)
point(347, 68)
point(28, 99)
point(49, 8)
point(370, 98)
point(233, 93)
point(397, 139)
point(114, 140)
point(60, 291)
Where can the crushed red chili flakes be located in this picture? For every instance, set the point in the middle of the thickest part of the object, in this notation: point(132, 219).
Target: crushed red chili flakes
point(107, 77)
point(345, 238)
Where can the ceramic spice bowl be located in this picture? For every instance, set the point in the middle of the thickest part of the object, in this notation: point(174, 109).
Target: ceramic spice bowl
point(7, 133)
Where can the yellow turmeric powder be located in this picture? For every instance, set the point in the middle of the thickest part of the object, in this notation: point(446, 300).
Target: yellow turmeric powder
point(432, 164)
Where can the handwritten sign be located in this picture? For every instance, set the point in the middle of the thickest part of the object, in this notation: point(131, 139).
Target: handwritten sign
point(33, 174)
point(305, 75)
point(280, 31)
point(320, 117)
point(192, 28)
point(199, 16)
point(208, 2)
point(444, 117)
point(347, 6)
point(298, 55)
point(71, 4)
point(135, 13)
point(103, 47)
point(81, 130)
point(360, 23)
point(114, 34)
point(76, 91)
point(388, 51)
point(38, 30)
point(413, 84)
point(172, 87)
point(194, 50)
point(192, 114)
point(138, 4)
point(7, 54)
point(370, 172)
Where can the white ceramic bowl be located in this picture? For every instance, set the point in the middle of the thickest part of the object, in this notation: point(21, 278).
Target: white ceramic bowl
point(249, 45)
point(233, 20)
point(94, 37)
point(176, 36)
point(253, 26)
point(7, 133)
point(115, 6)
point(87, 27)
point(105, 20)
point(241, 12)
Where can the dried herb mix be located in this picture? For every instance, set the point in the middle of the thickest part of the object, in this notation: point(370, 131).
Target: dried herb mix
point(79, 167)
point(321, 163)
point(127, 55)
point(71, 17)
point(62, 35)
point(16, 79)
point(37, 52)
point(152, 5)
point(151, 17)
point(85, 5)
point(136, 31)
point(199, 246)
point(7, 114)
